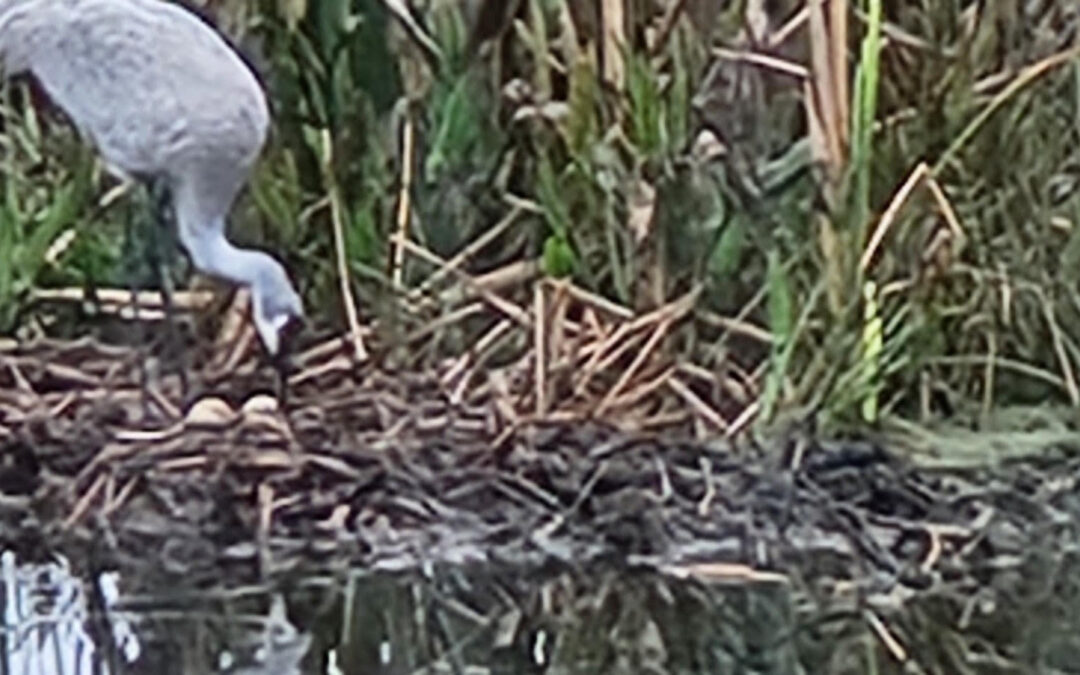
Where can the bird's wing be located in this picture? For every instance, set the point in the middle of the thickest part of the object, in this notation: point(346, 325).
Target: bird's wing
point(147, 81)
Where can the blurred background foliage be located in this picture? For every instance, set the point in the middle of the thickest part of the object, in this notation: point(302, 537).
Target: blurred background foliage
point(645, 148)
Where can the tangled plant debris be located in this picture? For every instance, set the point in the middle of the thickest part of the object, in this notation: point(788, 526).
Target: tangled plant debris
point(388, 471)
point(613, 301)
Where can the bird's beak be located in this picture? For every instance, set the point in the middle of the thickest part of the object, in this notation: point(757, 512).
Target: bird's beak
point(288, 337)
point(289, 334)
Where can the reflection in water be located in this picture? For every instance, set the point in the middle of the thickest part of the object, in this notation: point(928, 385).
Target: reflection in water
point(566, 621)
point(486, 619)
point(446, 619)
point(49, 629)
point(45, 620)
point(276, 650)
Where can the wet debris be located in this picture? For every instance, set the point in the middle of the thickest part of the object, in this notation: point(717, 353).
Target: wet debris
point(393, 472)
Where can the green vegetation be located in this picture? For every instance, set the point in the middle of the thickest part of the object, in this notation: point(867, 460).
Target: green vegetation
point(891, 195)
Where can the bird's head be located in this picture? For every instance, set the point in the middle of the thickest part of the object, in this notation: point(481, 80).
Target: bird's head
point(275, 306)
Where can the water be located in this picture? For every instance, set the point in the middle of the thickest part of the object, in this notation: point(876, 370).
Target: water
point(452, 620)
point(46, 619)
point(460, 619)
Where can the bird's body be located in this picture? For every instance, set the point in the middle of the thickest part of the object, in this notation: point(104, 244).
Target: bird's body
point(161, 96)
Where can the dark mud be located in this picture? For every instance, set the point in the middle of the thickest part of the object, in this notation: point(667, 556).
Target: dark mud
point(385, 472)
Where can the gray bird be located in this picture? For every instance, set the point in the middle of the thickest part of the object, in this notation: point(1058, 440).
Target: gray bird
point(162, 97)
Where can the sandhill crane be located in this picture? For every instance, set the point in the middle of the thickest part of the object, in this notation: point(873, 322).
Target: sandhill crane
point(163, 98)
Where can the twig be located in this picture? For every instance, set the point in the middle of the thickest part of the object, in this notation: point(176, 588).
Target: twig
point(483, 346)
point(540, 349)
point(404, 206)
point(773, 63)
point(947, 210)
point(795, 23)
point(838, 46)
point(266, 512)
point(700, 407)
point(420, 37)
point(824, 107)
point(1026, 77)
point(743, 419)
point(598, 302)
point(83, 504)
point(622, 339)
point(933, 553)
point(505, 306)
point(613, 42)
point(887, 638)
point(339, 363)
point(510, 276)
point(111, 299)
point(118, 500)
point(719, 571)
point(646, 352)
point(462, 363)
point(705, 505)
point(895, 204)
point(736, 326)
point(471, 249)
point(557, 322)
point(444, 321)
point(641, 391)
point(667, 24)
point(336, 218)
point(1059, 350)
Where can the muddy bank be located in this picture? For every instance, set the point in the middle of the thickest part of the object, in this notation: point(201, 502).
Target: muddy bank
point(387, 472)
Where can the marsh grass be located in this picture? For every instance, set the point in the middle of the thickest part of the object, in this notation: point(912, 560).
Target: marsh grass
point(875, 203)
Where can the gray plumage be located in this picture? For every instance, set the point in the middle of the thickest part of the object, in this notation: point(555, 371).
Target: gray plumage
point(160, 95)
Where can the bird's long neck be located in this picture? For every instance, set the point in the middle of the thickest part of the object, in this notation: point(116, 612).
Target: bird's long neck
point(211, 253)
point(200, 209)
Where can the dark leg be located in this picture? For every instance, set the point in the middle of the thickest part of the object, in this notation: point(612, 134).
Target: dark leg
point(283, 362)
point(281, 367)
point(132, 253)
point(163, 253)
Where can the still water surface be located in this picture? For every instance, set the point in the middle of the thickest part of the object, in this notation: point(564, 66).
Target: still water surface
point(488, 620)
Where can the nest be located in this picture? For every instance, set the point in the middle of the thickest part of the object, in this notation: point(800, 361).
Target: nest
point(394, 471)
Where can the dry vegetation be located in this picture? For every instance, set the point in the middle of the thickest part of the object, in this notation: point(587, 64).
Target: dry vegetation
point(683, 216)
point(667, 213)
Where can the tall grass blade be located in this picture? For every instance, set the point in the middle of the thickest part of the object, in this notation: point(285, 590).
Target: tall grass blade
point(780, 325)
point(867, 77)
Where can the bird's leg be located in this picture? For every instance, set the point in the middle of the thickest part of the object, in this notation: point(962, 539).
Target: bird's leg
point(159, 196)
point(283, 362)
point(134, 270)
point(280, 362)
